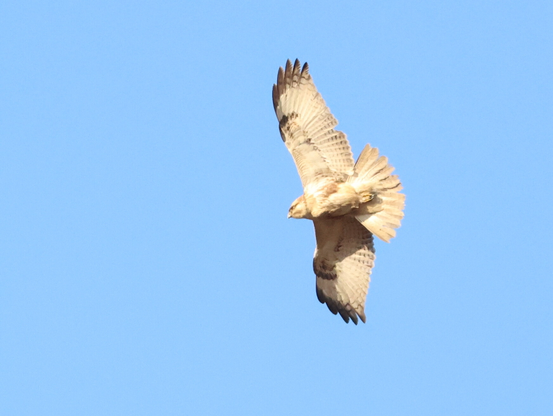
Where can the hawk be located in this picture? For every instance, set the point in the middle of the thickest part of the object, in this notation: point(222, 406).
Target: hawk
point(347, 201)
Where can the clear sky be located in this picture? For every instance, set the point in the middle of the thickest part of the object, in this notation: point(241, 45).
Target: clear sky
point(146, 263)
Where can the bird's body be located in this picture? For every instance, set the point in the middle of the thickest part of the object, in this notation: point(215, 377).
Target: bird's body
point(348, 202)
point(326, 199)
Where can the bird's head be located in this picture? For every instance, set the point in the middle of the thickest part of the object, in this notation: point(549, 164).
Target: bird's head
point(298, 209)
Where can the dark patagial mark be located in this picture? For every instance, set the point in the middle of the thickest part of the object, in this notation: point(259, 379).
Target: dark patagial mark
point(339, 244)
point(281, 125)
point(286, 124)
point(324, 270)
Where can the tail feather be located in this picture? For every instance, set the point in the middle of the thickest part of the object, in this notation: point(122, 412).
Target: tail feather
point(383, 213)
point(377, 169)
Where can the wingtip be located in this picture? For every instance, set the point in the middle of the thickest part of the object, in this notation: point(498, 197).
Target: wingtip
point(280, 76)
point(275, 96)
point(345, 316)
point(278, 87)
point(353, 315)
point(288, 69)
point(287, 77)
point(297, 65)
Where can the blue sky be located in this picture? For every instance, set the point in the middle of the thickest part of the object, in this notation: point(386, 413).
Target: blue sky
point(147, 266)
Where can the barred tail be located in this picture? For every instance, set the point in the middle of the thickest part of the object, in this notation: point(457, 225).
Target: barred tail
point(382, 205)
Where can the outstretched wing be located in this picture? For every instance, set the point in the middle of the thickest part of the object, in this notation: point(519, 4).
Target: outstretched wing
point(307, 127)
point(343, 261)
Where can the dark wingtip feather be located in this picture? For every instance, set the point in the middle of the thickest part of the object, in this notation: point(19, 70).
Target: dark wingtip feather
point(275, 96)
point(344, 316)
point(288, 76)
point(278, 88)
point(332, 307)
point(346, 312)
point(288, 70)
point(297, 65)
point(280, 79)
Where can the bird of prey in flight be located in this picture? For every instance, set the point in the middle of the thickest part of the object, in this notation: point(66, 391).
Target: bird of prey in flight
point(347, 201)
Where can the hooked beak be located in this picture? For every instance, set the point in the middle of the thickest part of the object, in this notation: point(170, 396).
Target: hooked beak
point(289, 215)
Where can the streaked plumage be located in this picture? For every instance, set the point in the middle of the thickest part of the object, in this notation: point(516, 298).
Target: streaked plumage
point(348, 202)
